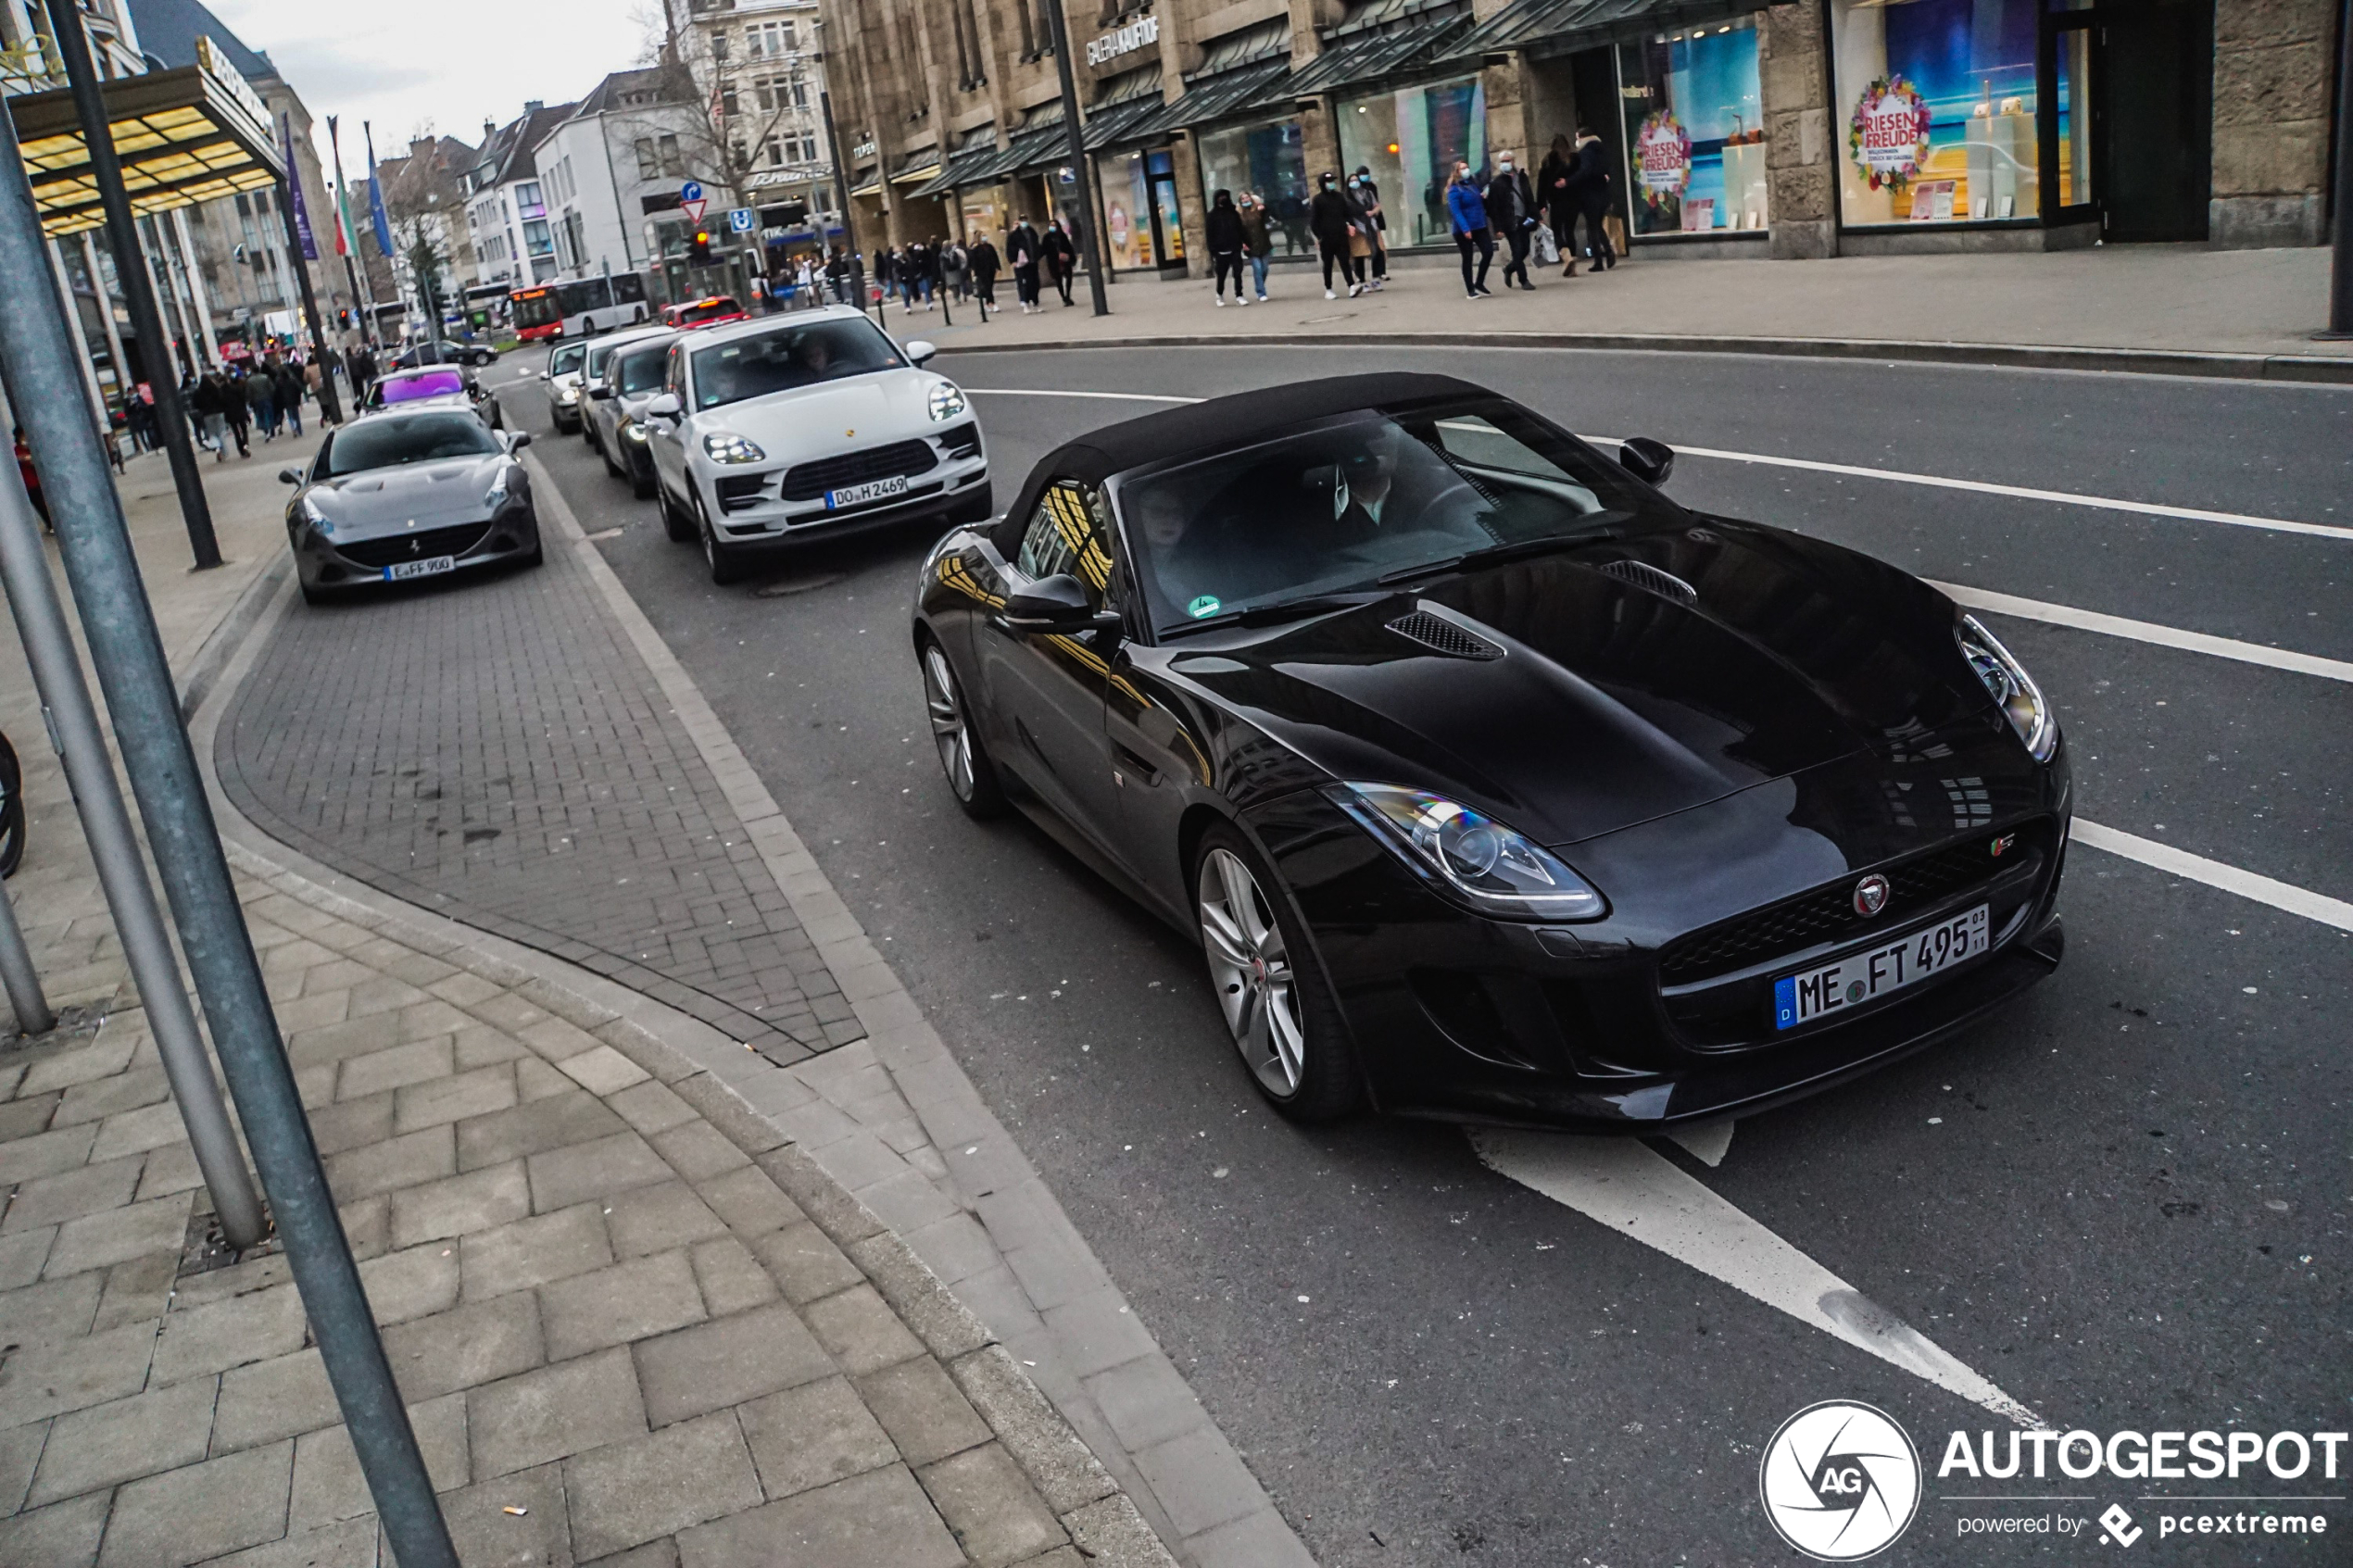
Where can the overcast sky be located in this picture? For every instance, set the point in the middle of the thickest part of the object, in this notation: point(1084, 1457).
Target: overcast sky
point(453, 63)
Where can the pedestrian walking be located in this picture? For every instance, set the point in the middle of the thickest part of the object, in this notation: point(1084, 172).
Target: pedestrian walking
point(1511, 207)
point(1224, 226)
point(1024, 251)
point(142, 416)
point(291, 390)
point(210, 404)
point(955, 271)
point(1258, 241)
point(1554, 188)
point(1061, 257)
point(260, 392)
point(1466, 216)
point(1327, 218)
point(1589, 193)
point(1367, 199)
point(837, 275)
point(986, 265)
point(887, 272)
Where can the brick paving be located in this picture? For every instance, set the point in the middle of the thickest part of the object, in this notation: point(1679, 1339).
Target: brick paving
point(499, 754)
point(635, 1324)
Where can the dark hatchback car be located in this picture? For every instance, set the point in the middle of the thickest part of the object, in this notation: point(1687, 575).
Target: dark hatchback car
point(1495, 783)
point(409, 494)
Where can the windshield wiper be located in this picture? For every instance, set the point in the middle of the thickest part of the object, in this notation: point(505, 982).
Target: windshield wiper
point(1274, 614)
point(1497, 555)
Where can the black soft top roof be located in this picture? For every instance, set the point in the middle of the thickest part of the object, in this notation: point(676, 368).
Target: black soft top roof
point(1240, 420)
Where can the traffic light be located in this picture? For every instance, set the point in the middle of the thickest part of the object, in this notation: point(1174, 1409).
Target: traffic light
point(699, 248)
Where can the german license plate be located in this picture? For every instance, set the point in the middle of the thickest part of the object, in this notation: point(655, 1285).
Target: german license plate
point(1909, 958)
point(873, 490)
point(431, 566)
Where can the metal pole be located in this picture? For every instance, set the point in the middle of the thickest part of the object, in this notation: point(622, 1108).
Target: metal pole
point(2341, 201)
point(105, 823)
point(147, 324)
point(200, 299)
point(330, 411)
point(1078, 138)
point(17, 976)
point(122, 377)
point(127, 653)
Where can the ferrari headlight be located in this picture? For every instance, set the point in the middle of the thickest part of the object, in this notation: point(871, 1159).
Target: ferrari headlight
point(728, 448)
point(2020, 698)
point(315, 518)
point(1482, 862)
point(496, 497)
point(947, 400)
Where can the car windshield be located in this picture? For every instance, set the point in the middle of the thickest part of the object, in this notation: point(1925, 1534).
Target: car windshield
point(642, 371)
point(598, 354)
point(788, 358)
point(567, 358)
point(387, 443)
point(1355, 503)
point(430, 384)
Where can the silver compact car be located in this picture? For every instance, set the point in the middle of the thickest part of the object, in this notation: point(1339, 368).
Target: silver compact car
point(561, 378)
point(406, 493)
point(616, 406)
point(593, 374)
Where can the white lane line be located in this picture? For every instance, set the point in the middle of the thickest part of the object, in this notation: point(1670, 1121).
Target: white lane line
point(2281, 895)
point(1707, 1143)
point(1898, 476)
point(2147, 631)
point(1633, 1189)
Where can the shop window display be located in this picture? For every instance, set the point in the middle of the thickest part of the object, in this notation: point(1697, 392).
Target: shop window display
point(1127, 218)
point(1696, 130)
point(1936, 109)
point(1410, 139)
point(1267, 158)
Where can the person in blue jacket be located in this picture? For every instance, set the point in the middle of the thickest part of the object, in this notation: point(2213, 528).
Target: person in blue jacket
point(1466, 214)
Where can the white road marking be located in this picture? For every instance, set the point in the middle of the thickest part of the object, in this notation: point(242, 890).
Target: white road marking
point(2147, 632)
point(1707, 1143)
point(1898, 476)
point(2281, 895)
point(1633, 1189)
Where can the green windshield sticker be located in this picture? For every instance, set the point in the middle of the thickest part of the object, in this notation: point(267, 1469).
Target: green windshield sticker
point(1206, 604)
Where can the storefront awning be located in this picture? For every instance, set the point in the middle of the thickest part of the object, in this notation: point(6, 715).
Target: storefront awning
point(963, 167)
point(867, 182)
point(1559, 27)
point(1120, 111)
point(1221, 96)
point(1372, 54)
point(184, 136)
point(915, 167)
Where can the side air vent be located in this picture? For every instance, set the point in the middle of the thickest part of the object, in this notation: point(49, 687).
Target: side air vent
point(1442, 635)
point(1646, 576)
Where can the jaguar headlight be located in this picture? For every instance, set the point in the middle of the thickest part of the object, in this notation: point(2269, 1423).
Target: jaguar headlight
point(947, 400)
point(728, 448)
point(1478, 860)
point(2011, 687)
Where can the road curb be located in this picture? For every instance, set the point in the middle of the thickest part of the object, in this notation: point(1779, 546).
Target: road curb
point(2307, 368)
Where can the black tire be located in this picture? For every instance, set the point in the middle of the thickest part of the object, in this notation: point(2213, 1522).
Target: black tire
point(972, 777)
point(674, 520)
point(611, 466)
point(726, 562)
point(641, 480)
point(1330, 1085)
point(11, 809)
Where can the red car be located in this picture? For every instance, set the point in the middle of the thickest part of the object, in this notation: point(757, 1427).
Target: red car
point(707, 312)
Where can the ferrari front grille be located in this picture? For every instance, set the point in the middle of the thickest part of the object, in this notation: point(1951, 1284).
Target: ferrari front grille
point(423, 545)
point(1442, 636)
point(806, 481)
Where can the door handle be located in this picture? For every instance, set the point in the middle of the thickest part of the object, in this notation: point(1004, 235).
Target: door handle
point(1132, 763)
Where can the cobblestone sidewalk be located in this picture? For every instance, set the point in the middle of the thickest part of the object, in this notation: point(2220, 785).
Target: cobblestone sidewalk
point(635, 1324)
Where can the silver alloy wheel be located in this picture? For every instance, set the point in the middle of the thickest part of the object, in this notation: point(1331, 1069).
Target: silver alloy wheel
point(948, 728)
point(1251, 968)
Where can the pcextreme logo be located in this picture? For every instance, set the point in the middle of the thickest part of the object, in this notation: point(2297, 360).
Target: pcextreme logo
point(1839, 1481)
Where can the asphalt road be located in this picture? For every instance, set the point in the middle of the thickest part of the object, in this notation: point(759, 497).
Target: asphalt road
point(2123, 1201)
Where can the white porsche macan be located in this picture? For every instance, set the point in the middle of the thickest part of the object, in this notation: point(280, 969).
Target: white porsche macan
point(813, 424)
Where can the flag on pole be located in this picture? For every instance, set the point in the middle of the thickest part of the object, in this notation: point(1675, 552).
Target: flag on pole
point(342, 192)
point(376, 194)
point(294, 193)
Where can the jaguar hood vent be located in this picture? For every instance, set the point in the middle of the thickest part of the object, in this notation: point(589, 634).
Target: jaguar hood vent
point(1442, 636)
point(1648, 577)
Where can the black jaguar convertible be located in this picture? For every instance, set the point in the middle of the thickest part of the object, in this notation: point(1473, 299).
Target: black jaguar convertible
point(1495, 783)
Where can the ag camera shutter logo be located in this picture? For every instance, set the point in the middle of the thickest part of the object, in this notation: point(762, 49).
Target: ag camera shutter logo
point(1839, 1481)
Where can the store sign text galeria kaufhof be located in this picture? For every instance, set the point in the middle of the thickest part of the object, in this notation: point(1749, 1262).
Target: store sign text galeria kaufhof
point(1135, 35)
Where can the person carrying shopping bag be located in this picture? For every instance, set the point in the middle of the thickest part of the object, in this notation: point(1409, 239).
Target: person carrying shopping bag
point(1467, 215)
point(1511, 206)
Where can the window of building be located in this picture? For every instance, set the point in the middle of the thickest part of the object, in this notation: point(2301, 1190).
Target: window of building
point(536, 240)
point(673, 165)
point(1270, 159)
point(719, 47)
point(1936, 111)
point(1694, 130)
point(528, 201)
point(649, 163)
point(768, 41)
point(1410, 139)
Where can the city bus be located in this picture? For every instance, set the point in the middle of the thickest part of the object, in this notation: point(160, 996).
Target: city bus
point(579, 308)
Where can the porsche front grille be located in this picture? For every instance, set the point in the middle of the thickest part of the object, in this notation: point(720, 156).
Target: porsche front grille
point(807, 482)
point(1827, 914)
point(1442, 635)
point(423, 545)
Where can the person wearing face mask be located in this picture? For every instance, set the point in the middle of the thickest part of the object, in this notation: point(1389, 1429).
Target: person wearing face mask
point(1467, 215)
point(1369, 197)
point(1258, 242)
point(1511, 206)
point(1331, 221)
point(1226, 245)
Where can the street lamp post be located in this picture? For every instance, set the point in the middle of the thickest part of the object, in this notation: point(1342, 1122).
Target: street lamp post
point(2341, 217)
point(1078, 138)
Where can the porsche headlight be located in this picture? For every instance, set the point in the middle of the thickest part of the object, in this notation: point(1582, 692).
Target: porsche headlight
point(1482, 862)
point(947, 400)
point(2006, 680)
point(728, 448)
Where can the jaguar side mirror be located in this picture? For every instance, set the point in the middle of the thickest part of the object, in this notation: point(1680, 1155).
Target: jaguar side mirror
point(288, 476)
point(547, 375)
point(1650, 461)
point(664, 405)
point(522, 439)
point(601, 392)
point(920, 352)
point(1056, 605)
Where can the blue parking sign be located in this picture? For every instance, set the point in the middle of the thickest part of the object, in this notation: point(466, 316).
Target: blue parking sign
point(742, 219)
